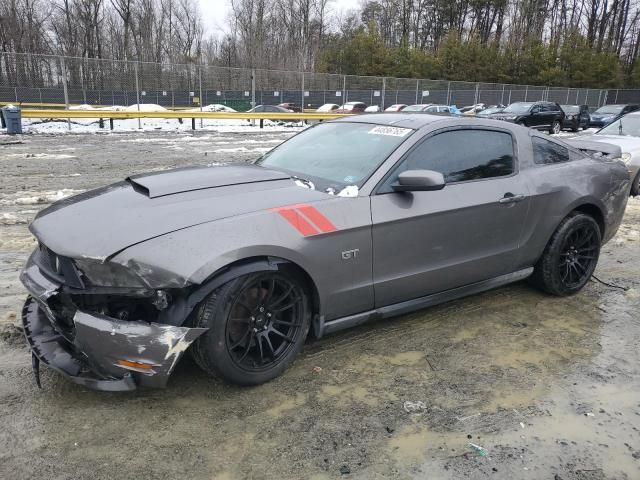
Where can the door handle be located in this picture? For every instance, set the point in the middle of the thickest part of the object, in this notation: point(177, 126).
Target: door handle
point(511, 198)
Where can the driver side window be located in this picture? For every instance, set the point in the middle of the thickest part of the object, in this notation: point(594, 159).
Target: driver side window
point(460, 155)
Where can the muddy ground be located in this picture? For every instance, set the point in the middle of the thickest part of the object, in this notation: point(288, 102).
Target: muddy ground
point(550, 387)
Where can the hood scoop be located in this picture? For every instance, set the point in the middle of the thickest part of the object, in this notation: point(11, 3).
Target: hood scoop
point(180, 180)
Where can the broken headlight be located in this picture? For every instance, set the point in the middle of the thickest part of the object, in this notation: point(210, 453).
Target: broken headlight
point(108, 274)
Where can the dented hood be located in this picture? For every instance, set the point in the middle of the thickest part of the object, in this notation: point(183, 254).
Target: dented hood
point(100, 223)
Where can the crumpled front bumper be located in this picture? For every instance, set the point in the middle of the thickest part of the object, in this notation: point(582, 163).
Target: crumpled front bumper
point(100, 352)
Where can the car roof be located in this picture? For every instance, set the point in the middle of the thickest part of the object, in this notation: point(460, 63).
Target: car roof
point(404, 120)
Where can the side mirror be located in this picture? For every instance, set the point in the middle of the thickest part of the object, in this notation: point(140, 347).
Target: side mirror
point(419, 181)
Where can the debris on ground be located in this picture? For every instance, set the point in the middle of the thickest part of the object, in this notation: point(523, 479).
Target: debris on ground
point(479, 450)
point(317, 369)
point(412, 407)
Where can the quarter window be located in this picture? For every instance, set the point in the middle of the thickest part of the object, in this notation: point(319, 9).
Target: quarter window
point(462, 155)
point(546, 152)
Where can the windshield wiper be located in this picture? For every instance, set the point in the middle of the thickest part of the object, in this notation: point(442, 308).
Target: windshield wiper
point(620, 127)
point(308, 183)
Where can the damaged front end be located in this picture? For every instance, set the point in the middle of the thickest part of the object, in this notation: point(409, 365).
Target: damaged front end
point(100, 336)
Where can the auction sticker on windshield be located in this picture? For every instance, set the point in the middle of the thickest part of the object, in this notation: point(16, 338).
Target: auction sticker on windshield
point(392, 131)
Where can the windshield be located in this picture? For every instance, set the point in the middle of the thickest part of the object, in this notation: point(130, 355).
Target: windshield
point(572, 109)
point(518, 107)
point(611, 109)
point(414, 108)
point(627, 126)
point(335, 155)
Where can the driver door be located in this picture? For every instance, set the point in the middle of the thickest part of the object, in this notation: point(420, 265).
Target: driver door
point(426, 242)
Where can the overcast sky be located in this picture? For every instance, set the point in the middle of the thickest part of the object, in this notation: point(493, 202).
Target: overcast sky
point(214, 13)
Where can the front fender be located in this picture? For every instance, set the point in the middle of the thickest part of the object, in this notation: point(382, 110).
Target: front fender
point(344, 224)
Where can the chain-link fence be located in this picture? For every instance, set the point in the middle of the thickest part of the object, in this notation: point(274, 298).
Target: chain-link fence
point(62, 81)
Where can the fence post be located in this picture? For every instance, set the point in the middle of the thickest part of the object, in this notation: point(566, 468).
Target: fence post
point(417, 89)
point(475, 98)
point(253, 87)
point(526, 92)
point(135, 66)
point(606, 94)
point(253, 92)
point(200, 85)
point(567, 96)
point(84, 90)
point(383, 93)
point(64, 88)
point(586, 96)
point(616, 100)
point(502, 96)
point(448, 93)
point(344, 89)
point(302, 94)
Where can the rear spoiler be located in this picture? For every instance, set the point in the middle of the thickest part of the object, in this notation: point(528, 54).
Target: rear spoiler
point(596, 149)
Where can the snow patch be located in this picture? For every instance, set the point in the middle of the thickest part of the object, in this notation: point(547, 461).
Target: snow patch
point(51, 156)
point(11, 219)
point(349, 191)
point(37, 198)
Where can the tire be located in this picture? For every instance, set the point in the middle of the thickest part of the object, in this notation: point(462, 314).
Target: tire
point(556, 127)
point(570, 257)
point(635, 186)
point(254, 335)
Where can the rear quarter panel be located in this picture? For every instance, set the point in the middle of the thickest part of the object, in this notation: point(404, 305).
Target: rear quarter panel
point(558, 189)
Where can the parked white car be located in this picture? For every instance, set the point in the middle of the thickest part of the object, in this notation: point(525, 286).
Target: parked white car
point(327, 107)
point(398, 107)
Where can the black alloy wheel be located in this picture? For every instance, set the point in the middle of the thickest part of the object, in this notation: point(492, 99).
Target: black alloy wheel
point(570, 257)
point(579, 256)
point(265, 320)
point(257, 325)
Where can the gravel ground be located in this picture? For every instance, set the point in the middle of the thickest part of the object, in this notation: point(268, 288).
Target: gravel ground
point(549, 387)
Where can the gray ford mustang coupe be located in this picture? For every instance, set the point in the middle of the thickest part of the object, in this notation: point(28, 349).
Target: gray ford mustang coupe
point(357, 219)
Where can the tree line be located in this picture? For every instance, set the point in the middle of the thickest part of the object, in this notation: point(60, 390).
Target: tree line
point(579, 43)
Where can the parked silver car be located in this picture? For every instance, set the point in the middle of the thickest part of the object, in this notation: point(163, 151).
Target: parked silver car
point(362, 218)
point(625, 133)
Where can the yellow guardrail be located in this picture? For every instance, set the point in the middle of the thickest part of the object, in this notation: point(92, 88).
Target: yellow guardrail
point(115, 114)
point(64, 106)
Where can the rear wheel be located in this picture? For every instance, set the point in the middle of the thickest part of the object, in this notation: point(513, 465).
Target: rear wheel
point(570, 257)
point(556, 127)
point(257, 326)
point(635, 186)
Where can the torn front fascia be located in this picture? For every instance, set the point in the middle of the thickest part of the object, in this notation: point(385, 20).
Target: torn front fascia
point(100, 343)
point(107, 341)
point(90, 348)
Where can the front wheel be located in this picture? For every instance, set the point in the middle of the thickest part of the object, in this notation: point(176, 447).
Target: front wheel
point(257, 326)
point(570, 257)
point(556, 127)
